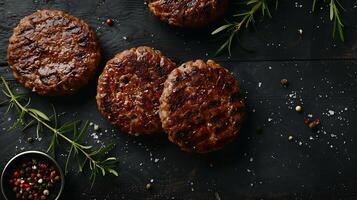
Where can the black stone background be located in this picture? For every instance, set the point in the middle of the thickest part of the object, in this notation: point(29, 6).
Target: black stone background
point(323, 79)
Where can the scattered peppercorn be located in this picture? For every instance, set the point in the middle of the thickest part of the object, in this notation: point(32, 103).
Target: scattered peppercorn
point(314, 123)
point(33, 180)
point(284, 82)
point(46, 192)
point(290, 137)
point(298, 108)
point(109, 22)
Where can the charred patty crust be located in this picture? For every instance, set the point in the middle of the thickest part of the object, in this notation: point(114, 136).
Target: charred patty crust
point(53, 53)
point(201, 108)
point(188, 13)
point(130, 87)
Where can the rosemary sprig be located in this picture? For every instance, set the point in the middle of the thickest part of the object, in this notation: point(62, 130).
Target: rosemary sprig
point(85, 155)
point(335, 17)
point(245, 20)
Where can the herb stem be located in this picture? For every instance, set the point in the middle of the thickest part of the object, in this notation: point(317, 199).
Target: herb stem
point(43, 120)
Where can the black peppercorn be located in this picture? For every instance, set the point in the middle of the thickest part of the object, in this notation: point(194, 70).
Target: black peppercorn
point(284, 82)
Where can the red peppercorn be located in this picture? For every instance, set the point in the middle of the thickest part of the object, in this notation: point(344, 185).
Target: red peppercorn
point(109, 22)
point(53, 174)
point(317, 121)
point(307, 121)
point(16, 174)
point(314, 123)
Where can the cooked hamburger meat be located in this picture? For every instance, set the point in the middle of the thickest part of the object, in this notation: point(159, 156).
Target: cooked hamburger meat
point(188, 13)
point(53, 53)
point(201, 108)
point(130, 87)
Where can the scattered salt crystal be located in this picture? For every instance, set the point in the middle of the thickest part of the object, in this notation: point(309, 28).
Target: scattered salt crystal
point(331, 112)
point(94, 135)
point(300, 31)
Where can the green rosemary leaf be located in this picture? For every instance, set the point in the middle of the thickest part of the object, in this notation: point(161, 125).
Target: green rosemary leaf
point(331, 10)
point(313, 5)
point(39, 114)
point(110, 159)
point(103, 150)
point(223, 46)
point(28, 125)
point(53, 143)
point(68, 126)
point(252, 1)
point(4, 102)
point(81, 133)
point(85, 146)
point(102, 169)
point(81, 165)
point(15, 125)
point(6, 94)
point(68, 159)
point(38, 130)
point(222, 28)
point(9, 107)
point(114, 172)
point(110, 163)
point(55, 120)
point(230, 43)
point(340, 31)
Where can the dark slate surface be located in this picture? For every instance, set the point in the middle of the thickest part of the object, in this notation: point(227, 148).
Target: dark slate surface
point(323, 79)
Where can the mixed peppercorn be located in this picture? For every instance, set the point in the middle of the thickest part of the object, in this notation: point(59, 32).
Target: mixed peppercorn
point(34, 180)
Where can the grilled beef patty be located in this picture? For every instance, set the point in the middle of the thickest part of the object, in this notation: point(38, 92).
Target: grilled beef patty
point(201, 108)
point(53, 53)
point(130, 87)
point(188, 13)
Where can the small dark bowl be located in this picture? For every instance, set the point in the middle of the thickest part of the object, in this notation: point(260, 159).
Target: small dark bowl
point(16, 161)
